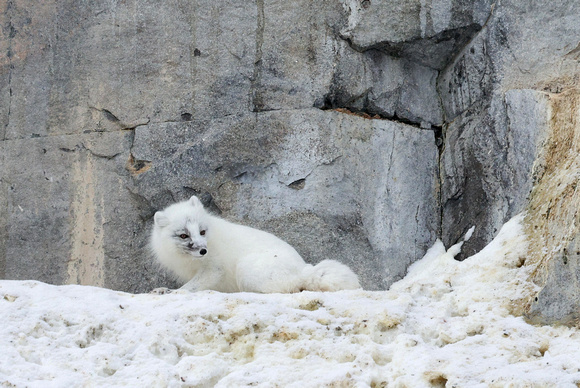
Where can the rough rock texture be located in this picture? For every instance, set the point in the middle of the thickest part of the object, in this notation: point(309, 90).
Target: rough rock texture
point(329, 182)
point(552, 219)
point(427, 31)
point(114, 110)
point(66, 217)
point(357, 130)
point(503, 138)
point(485, 165)
point(388, 87)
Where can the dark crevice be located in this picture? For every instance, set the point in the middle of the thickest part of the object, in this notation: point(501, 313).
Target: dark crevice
point(298, 184)
point(123, 126)
point(131, 140)
point(440, 143)
point(414, 49)
point(439, 138)
point(103, 156)
point(132, 128)
point(83, 147)
point(471, 39)
point(136, 166)
point(109, 116)
point(9, 54)
point(240, 175)
point(257, 104)
point(370, 115)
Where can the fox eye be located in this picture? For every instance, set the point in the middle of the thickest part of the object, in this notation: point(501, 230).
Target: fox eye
point(183, 236)
point(202, 232)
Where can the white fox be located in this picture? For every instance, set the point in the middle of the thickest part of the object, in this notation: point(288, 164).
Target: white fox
point(209, 253)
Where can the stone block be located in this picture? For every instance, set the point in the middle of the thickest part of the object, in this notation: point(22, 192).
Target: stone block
point(429, 32)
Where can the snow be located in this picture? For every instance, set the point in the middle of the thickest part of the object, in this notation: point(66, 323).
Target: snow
point(447, 323)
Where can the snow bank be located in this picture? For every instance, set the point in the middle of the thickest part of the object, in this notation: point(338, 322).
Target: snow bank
point(446, 323)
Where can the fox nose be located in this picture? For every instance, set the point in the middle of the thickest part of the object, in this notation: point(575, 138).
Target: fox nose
point(202, 251)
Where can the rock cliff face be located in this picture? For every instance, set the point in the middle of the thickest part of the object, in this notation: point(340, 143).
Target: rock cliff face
point(355, 130)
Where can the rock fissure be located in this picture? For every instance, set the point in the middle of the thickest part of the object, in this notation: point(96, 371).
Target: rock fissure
point(121, 125)
point(38, 136)
point(440, 143)
point(376, 116)
point(9, 54)
point(257, 104)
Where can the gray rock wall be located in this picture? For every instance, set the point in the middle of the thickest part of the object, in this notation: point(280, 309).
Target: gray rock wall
point(511, 108)
point(355, 130)
point(490, 141)
point(115, 110)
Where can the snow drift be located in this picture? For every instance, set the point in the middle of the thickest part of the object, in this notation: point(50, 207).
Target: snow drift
point(447, 323)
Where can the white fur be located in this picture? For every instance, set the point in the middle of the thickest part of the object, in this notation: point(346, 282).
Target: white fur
point(235, 258)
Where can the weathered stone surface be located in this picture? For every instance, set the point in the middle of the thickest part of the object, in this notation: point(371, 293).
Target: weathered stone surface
point(425, 31)
point(490, 144)
point(301, 62)
point(526, 110)
point(68, 216)
point(75, 67)
point(469, 79)
point(333, 185)
point(559, 300)
point(295, 53)
point(552, 214)
point(378, 84)
point(488, 164)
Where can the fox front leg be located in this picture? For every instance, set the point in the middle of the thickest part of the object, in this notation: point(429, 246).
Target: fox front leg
point(205, 279)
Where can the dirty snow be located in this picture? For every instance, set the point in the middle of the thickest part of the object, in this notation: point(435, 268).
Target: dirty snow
point(447, 323)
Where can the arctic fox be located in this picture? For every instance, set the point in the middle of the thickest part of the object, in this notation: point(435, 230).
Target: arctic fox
point(209, 253)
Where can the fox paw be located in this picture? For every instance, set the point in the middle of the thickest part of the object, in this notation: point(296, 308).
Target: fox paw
point(161, 291)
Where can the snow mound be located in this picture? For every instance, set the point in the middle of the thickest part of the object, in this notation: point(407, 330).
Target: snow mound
point(447, 323)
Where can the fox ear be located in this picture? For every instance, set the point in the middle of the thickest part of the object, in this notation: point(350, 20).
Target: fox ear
point(161, 219)
point(195, 202)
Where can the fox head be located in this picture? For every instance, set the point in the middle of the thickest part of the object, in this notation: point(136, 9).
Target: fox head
point(185, 225)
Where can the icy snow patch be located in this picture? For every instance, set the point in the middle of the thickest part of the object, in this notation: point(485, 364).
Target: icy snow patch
point(446, 323)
